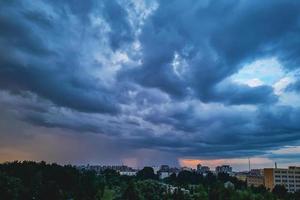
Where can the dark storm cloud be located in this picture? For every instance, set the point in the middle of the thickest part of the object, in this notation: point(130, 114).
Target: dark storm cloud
point(230, 132)
point(158, 79)
point(254, 28)
point(294, 86)
point(118, 18)
point(60, 86)
point(215, 40)
point(30, 63)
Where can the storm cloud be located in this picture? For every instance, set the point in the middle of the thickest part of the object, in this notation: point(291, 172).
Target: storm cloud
point(153, 75)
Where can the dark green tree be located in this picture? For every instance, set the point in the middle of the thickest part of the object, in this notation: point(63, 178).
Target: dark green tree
point(179, 195)
point(48, 181)
point(151, 189)
point(187, 177)
point(146, 173)
point(280, 191)
point(297, 195)
point(10, 188)
point(131, 192)
point(172, 179)
point(200, 193)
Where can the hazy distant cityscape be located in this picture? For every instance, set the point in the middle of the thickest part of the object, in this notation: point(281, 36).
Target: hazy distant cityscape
point(268, 177)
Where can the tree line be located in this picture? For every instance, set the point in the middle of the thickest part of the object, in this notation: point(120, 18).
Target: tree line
point(29, 180)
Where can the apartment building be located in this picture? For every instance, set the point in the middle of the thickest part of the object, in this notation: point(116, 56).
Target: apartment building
point(202, 169)
point(224, 169)
point(255, 180)
point(290, 178)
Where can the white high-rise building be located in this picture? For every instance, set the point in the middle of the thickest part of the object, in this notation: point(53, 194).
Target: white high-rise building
point(290, 178)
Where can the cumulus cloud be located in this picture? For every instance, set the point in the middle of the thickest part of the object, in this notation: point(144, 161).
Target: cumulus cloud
point(153, 74)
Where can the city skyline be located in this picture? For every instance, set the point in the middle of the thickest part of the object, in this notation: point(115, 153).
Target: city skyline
point(150, 82)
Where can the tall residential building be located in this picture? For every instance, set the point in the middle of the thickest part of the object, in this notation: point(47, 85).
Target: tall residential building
point(164, 167)
point(290, 178)
point(202, 169)
point(166, 171)
point(224, 169)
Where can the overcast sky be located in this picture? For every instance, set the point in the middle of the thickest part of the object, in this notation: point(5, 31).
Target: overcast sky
point(145, 82)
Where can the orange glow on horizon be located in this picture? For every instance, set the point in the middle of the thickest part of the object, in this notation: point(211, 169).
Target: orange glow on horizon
point(216, 162)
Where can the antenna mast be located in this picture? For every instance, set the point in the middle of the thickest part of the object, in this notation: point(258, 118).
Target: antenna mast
point(249, 164)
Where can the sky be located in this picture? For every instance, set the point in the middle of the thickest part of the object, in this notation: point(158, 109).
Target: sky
point(150, 82)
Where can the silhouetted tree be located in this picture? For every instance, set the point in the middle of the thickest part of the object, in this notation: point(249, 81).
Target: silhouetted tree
point(179, 195)
point(280, 191)
point(10, 188)
point(131, 193)
point(172, 179)
point(147, 173)
point(187, 177)
point(31, 180)
point(151, 190)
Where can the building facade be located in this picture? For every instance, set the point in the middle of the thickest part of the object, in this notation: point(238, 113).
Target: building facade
point(224, 169)
point(128, 173)
point(202, 169)
point(255, 180)
point(166, 171)
point(290, 178)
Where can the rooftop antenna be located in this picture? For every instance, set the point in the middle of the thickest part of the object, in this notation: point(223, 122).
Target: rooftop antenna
point(249, 164)
point(275, 165)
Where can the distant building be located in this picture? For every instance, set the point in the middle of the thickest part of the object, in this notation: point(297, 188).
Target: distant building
point(202, 169)
point(290, 178)
point(257, 172)
point(128, 173)
point(186, 169)
point(165, 171)
point(163, 175)
point(164, 168)
point(242, 176)
point(255, 180)
point(174, 170)
point(122, 169)
point(156, 169)
point(224, 169)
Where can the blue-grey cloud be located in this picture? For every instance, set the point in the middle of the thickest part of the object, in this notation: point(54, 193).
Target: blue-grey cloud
point(30, 62)
point(215, 40)
point(154, 74)
point(294, 86)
